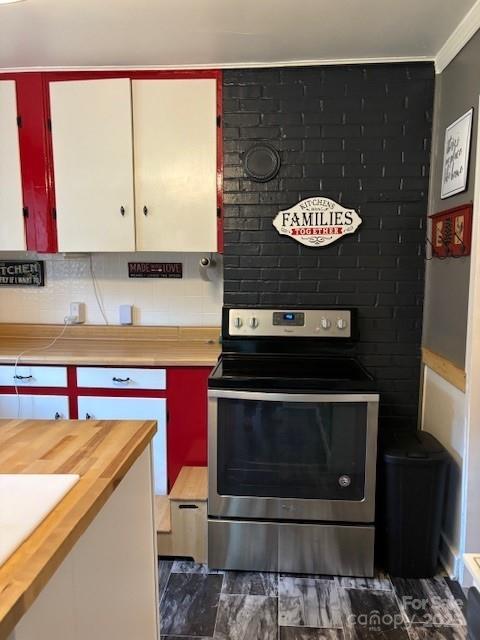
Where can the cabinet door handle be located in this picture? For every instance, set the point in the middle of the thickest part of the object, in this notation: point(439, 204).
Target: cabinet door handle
point(122, 210)
point(19, 377)
point(57, 416)
point(187, 506)
point(145, 211)
point(88, 416)
point(121, 380)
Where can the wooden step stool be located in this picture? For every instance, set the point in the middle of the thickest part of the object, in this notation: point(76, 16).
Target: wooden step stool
point(181, 517)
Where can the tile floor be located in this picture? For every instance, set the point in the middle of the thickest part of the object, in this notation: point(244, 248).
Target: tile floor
point(198, 603)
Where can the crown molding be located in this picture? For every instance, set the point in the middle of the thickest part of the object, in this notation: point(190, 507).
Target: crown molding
point(459, 38)
point(230, 65)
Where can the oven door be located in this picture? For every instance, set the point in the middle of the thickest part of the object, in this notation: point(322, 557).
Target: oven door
point(292, 456)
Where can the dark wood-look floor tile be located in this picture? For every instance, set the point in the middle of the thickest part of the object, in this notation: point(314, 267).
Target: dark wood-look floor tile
point(379, 582)
point(459, 595)
point(315, 576)
point(250, 583)
point(164, 568)
point(309, 633)
point(188, 566)
point(189, 605)
point(428, 601)
point(242, 617)
point(427, 632)
point(359, 632)
point(369, 613)
point(308, 602)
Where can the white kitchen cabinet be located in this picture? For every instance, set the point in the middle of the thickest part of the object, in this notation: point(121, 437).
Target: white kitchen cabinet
point(93, 164)
point(12, 228)
point(121, 378)
point(34, 406)
point(135, 164)
point(25, 375)
point(109, 408)
point(175, 151)
point(107, 586)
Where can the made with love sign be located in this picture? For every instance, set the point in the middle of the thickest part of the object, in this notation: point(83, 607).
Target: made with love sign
point(317, 222)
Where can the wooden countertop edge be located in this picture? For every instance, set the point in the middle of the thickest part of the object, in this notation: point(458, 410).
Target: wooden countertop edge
point(117, 361)
point(89, 505)
point(445, 368)
point(110, 332)
point(94, 345)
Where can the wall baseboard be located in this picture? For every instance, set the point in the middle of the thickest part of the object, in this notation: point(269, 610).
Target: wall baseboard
point(449, 557)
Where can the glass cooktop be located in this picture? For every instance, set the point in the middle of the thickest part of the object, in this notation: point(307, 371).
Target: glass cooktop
point(264, 372)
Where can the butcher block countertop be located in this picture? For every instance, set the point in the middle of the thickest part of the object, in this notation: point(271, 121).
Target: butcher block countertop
point(101, 453)
point(110, 345)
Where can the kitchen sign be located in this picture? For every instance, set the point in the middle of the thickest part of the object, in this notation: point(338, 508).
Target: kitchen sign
point(22, 273)
point(455, 155)
point(155, 270)
point(317, 222)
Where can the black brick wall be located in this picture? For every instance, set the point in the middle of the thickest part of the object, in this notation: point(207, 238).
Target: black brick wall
point(361, 136)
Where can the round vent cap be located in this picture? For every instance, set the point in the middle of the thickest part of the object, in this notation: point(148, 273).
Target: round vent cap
point(261, 162)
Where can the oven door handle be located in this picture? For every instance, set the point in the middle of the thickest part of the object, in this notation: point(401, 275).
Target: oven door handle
point(293, 397)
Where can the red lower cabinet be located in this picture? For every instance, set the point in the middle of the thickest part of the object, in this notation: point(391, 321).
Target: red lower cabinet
point(187, 418)
point(176, 397)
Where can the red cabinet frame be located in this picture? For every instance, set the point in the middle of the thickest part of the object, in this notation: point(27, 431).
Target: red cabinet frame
point(186, 395)
point(33, 102)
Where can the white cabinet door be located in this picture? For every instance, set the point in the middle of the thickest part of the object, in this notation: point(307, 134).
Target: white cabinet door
point(34, 407)
point(175, 142)
point(12, 229)
point(93, 164)
point(104, 408)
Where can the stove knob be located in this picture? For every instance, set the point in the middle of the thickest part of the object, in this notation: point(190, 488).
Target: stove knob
point(341, 323)
point(237, 323)
point(253, 322)
point(326, 324)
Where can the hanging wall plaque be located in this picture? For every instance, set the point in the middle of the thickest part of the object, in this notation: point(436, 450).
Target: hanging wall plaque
point(316, 222)
point(455, 155)
point(155, 270)
point(22, 273)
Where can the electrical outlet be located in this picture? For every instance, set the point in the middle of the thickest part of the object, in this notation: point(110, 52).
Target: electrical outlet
point(77, 313)
point(125, 314)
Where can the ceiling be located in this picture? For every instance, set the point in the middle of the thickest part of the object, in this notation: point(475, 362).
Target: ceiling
point(93, 33)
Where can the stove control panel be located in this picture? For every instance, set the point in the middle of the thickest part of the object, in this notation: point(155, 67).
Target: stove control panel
point(305, 323)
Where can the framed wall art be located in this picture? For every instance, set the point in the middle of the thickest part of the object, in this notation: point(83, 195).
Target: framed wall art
point(456, 153)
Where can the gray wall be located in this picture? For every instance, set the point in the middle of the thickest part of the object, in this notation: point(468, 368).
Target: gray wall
point(446, 291)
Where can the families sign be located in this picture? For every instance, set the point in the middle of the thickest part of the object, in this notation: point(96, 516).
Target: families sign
point(316, 222)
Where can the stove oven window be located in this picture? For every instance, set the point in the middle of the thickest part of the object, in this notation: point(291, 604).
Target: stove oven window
point(291, 449)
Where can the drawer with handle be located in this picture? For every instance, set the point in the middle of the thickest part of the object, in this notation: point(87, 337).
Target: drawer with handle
point(189, 527)
point(118, 378)
point(32, 376)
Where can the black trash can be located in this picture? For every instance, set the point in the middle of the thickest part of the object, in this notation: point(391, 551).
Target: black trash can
point(413, 475)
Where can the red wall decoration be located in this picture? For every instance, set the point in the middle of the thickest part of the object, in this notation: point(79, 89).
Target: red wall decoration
point(452, 232)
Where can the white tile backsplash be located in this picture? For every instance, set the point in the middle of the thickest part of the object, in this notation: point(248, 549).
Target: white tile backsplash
point(187, 301)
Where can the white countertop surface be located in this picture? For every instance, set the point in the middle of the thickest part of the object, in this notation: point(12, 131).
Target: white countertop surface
point(25, 500)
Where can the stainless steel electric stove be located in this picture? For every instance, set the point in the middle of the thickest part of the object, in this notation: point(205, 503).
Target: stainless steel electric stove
point(292, 445)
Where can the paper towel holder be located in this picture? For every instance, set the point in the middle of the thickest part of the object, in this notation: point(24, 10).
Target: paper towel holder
point(207, 262)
